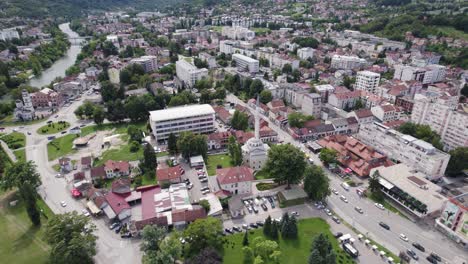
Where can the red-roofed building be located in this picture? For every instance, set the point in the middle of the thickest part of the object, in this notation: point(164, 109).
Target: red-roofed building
point(236, 180)
point(170, 175)
point(276, 104)
point(386, 113)
point(344, 100)
point(121, 186)
point(86, 162)
point(222, 114)
point(79, 176)
point(118, 206)
point(218, 140)
point(98, 173)
point(116, 168)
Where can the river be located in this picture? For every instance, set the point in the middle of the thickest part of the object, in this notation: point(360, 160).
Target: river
point(59, 67)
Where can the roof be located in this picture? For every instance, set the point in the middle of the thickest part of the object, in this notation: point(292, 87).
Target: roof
point(117, 202)
point(98, 172)
point(181, 112)
point(86, 160)
point(123, 166)
point(363, 113)
point(78, 176)
point(234, 175)
point(121, 185)
point(170, 173)
point(244, 58)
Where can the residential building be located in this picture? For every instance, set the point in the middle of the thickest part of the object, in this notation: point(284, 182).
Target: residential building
point(324, 90)
point(115, 169)
point(354, 154)
point(65, 165)
point(345, 100)
point(429, 74)
point(189, 73)
point(149, 63)
point(444, 116)
point(236, 180)
point(305, 53)
point(367, 81)
point(237, 32)
point(345, 125)
point(386, 113)
point(46, 98)
point(169, 175)
point(363, 116)
point(8, 34)
point(118, 207)
point(69, 89)
point(210, 60)
point(218, 140)
point(410, 189)
point(347, 62)
point(415, 153)
point(244, 63)
point(24, 110)
point(453, 220)
point(195, 118)
point(312, 104)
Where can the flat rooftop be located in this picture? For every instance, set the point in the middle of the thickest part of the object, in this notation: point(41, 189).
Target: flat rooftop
point(245, 58)
point(181, 112)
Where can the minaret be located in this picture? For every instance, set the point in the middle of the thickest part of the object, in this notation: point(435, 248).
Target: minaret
point(257, 119)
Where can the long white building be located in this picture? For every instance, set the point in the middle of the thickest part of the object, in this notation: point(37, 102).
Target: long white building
point(244, 63)
point(149, 63)
point(411, 151)
point(237, 32)
point(189, 73)
point(429, 74)
point(367, 81)
point(347, 62)
point(196, 118)
point(305, 53)
point(9, 33)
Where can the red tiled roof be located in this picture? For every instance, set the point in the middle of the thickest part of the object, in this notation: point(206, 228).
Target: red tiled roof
point(234, 175)
point(276, 103)
point(218, 136)
point(185, 215)
point(98, 172)
point(118, 184)
point(86, 161)
point(122, 166)
point(117, 202)
point(78, 176)
point(170, 173)
point(242, 136)
point(64, 161)
point(222, 113)
point(148, 209)
point(363, 113)
point(348, 95)
point(388, 108)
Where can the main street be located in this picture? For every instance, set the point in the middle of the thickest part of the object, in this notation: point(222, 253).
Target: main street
point(367, 223)
point(110, 247)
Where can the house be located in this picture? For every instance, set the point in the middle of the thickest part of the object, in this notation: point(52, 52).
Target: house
point(117, 206)
point(363, 116)
point(236, 180)
point(65, 165)
point(344, 100)
point(121, 186)
point(98, 173)
point(276, 103)
point(86, 162)
point(116, 168)
point(385, 113)
point(222, 114)
point(170, 175)
point(79, 176)
point(218, 140)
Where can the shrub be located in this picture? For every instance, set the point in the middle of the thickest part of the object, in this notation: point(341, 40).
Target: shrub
point(134, 146)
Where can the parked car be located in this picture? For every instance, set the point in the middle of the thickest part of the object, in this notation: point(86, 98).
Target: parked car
point(327, 211)
point(205, 192)
point(334, 191)
point(228, 230)
point(295, 213)
point(63, 204)
point(237, 229)
point(249, 208)
point(118, 228)
point(358, 209)
point(253, 225)
point(412, 254)
point(85, 212)
point(404, 237)
point(384, 225)
point(245, 226)
point(339, 234)
point(432, 260)
point(435, 256)
point(336, 219)
point(264, 207)
point(114, 225)
point(126, 235)
point(190, 186)
point(255, 209)
point(204, 180)
point(380, 206)
point(260, 223)
point(419, 246)
point(343, 199)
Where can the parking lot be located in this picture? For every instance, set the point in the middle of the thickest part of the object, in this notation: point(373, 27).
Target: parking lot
point(198, 179)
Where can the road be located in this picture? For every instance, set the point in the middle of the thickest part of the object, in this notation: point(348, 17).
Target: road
point(110, 247)
point(367, 223)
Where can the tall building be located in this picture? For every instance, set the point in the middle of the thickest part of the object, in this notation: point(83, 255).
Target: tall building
point(444, 116)
point(149, 63)
point(24, 110)
point(305, 53)
point(312, 104)
point(367, 81)
point(414, 152)
point(195, 118)
point(9, 33)
point(244, 63)
point(429, 74)
point(189, 73)
point(347, 62)
point(254, 151)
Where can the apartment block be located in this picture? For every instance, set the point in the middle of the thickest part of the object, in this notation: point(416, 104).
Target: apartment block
point(189, 73)
point(414, 152)
point(245, 63)
point(196, 118)
point(429, 74)
point(237, 32)
point(9, 33)
point(347, 62)
point(149, 63)
point(367, 81)
point(305, 53)
point(312, 104)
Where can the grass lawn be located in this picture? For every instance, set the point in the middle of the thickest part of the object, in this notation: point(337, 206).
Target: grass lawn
point(53, 128)
point(121, 128)
point(162, 154)
point(214, 160)
point(20, 154)
point(60, 147)
point(21, 242)
point(14, 140)
point(452, 32)
point(261, 175)
point(292, 251)
point(263, 186)
point(9, 121)
point(122, 153)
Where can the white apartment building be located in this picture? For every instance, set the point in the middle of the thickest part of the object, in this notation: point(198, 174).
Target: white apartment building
point(244, 63)
point(324, 90)
point(367, 81)
point(9, 33)
point(312, 104)
point(305, 53)
point(429, 74)
point(237, 32)
point(411, 151)
point(386, 113)
point(347, 62)
point(210, 60)
point(189, 73)
point(444, 116)
point(149, 63)
point(195, 118)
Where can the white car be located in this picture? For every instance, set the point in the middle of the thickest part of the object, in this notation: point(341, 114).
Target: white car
point(403, 237)
point(85, 212)
point(328, 212)
point(334, 191)
point(343, 199)
point(63, 204)
point(380, 206)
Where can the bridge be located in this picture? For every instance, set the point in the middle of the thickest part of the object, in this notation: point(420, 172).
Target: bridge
point(76, 41)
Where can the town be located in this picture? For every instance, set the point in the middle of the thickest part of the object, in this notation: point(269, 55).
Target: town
point(242, 132)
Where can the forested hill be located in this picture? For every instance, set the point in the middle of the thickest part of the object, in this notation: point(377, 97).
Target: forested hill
point(74, 8)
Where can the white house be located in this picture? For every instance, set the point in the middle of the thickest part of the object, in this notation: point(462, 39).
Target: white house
point(236, 180)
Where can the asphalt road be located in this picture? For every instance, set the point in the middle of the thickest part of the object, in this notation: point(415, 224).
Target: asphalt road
point(367, 223)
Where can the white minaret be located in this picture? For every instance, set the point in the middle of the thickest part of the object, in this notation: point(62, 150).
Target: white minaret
point(257, 119)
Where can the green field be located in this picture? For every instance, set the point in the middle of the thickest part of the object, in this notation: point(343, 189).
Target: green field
point(20, 154)
point(60, 147)
point(21, 242)
point(452, 32)
point(214, 160)
point(121, 153)
point(262, 174)
point(14, 140)
point(53, 128)
point(292, 251)
point(120, 128)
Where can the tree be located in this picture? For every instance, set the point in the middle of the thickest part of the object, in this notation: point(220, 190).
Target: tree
point(134, 133)
point(172, 144)
point(206, 256)
point(239, 121)
point(98, 115)
point(19, 174)
point(286, 163)
point(255, 88)
point(248, 255)
point(328, 156)
point(293, 230)
point(29, 196)
point(205, 96)
point(170, 250)
point(316, 183)
point(205, 233)
point(322, 251)
point(287, 68)
point(298, 119)
point(79, 112)
point(190, 145)
point(235, 151)
point(152, 235)
point(205, 204)
point(288, 226)
point(245, 240)
point(108, 48)
point(134, 146)
point(267, 227)
point(265, 96)
point(71, 238)
point(264, 248)
point(149, 159)
point(458, 161)
point(274, 231)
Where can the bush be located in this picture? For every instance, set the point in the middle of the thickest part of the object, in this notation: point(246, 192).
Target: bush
point(134, 146)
